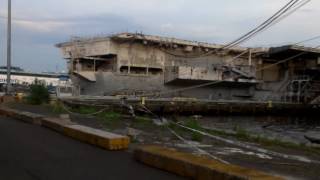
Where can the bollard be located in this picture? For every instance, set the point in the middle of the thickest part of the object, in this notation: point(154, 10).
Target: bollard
point(270, 104)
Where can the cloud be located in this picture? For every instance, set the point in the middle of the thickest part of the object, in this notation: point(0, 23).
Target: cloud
point(33, 40)
point(38, 25)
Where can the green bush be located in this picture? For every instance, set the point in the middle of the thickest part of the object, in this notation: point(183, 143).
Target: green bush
point(196, 136)
point(57, 107)
point(39, 94)
point(193, 124)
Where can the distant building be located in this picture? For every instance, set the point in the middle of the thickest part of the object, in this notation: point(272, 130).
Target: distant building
point(138, 64)
point(20, 77)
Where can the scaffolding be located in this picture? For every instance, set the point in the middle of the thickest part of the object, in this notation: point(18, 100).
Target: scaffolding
point(302, 89)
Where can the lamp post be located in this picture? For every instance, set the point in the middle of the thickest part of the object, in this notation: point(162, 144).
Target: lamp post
point(9, 50)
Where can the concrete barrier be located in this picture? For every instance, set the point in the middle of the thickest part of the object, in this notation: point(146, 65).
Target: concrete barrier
point(195, 167)
point(97, 137)
point(6, 111)
point(28, 117)
point(21, 115)
point(55, 124)
point(89, 135)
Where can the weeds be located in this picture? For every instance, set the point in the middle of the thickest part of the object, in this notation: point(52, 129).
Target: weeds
point(110, 115)
point(57, 107)
point(178, 129)
point(190, 123)
point(85, 110)
point(110, 119)
point(39, 94)
point(143, 122)
point(196, 137)
point(193, 124)
point(243, 135)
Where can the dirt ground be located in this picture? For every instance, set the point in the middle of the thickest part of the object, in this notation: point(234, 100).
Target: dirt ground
point(144, 131)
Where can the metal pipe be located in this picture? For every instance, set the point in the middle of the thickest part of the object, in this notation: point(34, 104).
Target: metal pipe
point(9, 50)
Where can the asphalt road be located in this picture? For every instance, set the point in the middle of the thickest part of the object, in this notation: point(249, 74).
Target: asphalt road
point(33, 152)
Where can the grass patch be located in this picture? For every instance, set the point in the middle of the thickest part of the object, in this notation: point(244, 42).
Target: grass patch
point(142, 122)
point(178, 129)
point(196, 137)
point(193, 124)
point(57, 107)
point(243, 135)
point(85, 110)
point(111, 116)
point(190, 123)
point(110, 119)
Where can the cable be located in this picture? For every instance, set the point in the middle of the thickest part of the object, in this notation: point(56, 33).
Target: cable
point(280, 15)
point(263, 25)
point(295, 8)
point(195, 147)
point(236, 57)
point(307, 40)
point(90, 114)
point(246, 146)
point(265, 22)
point(277, 17)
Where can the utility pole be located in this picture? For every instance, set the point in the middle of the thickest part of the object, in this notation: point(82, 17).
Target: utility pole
point(9, 50)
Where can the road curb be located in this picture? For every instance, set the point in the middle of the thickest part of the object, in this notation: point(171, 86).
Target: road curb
point(22, 116)
point(55, 124)
point(195, 167)
point(97, 137)
point(89, 135)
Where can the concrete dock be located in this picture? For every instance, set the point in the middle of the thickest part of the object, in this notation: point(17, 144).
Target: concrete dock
point(196, 106)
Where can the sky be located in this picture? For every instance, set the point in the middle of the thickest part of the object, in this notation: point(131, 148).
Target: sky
point(40, 24)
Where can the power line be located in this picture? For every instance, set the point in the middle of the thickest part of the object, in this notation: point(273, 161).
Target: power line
point(263, 24)
point(294, 9)
point(307, 40)
point(284, 12)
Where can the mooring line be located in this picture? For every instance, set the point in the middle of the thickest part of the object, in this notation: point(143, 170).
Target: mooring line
point(185, 141)
point(196, 147)
point(79, 114)
point(261, 150)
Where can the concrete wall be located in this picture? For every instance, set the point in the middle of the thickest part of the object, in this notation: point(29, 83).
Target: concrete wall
point(108, 83)
point(116, 84)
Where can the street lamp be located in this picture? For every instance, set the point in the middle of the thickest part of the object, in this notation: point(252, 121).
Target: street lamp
point(9, 50)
